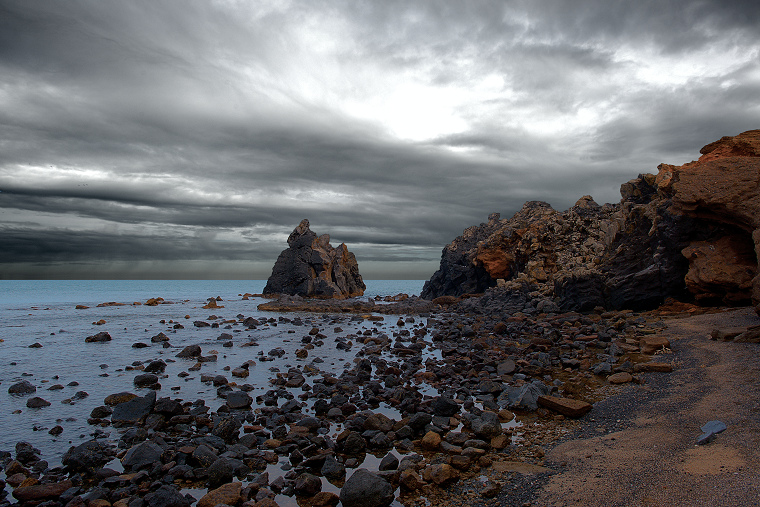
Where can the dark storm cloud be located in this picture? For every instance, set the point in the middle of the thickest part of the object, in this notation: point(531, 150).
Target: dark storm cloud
point(160, 131)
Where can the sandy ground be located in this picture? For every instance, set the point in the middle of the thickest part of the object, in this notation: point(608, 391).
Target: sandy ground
point(638, 448)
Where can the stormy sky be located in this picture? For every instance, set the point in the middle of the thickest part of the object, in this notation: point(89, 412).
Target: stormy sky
point(186, 139)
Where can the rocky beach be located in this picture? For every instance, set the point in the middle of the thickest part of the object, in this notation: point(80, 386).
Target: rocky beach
point(604, 355)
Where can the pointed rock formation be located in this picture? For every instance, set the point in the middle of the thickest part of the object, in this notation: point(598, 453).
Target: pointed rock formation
point(311, 267)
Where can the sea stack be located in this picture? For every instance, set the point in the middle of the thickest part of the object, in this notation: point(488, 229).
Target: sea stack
point(311, 267)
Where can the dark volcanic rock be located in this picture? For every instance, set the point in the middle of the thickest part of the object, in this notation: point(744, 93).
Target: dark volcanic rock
point(166, 496)
point(142, 455)
point(458, 274)
point(134, 410)
point(312, 267)
point(366, 489)
point(98, 338)
point(22, 388)
point(87, 456)
point(37, 402)
point(190, 351)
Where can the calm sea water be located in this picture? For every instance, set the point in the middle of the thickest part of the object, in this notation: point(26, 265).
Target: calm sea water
point(43, 312)
point(40, 292)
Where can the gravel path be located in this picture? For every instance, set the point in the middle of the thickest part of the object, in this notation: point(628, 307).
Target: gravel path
point(638, 448)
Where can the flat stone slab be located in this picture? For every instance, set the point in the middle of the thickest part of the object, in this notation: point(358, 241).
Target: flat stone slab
point(565, 406)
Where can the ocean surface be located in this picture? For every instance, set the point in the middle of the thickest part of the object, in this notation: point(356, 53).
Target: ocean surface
point(42, 314)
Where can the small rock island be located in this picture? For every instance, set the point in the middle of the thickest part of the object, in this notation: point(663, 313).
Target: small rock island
point(311, 267)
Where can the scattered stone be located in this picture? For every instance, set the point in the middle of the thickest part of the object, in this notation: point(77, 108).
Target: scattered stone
point(227, 494)
point(166, 496)
point(39, 492)
point(190, 351)
point(134, 410)
point(98, 338)
point(22, 388)
point(37, 402)
point(366, 489)
point(441, 474)
point(431, 441)
point(142, 455)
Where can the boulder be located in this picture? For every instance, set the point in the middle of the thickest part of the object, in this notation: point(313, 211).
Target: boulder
point(239, 399)
point(486, 425)
point(87, 456)
point(311, 267)
point(142, 455)
point(366, 489)
point(444, 406)
point(134, 410)
point(190, 351)
point(441, 474)
point(40, 492)
point(22, 388)
point(166, 496)
point(222, 471)
point(307, 484)
point(145, 380)
point(37, 402)
point(332, 469)
point(227, 494)
point(98, 338)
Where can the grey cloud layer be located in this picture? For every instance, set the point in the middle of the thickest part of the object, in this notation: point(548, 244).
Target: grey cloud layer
point(206, 130)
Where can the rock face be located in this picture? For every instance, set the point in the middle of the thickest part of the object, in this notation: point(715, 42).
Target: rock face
point(691, 232)
point(311, 267)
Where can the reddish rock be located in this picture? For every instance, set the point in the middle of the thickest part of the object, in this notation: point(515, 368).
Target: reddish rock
point(722, 187)
point(722, 270)
point(227, 494)
point(692, 231)
point(441, 474)
point(41, 491)
point(411, 480)
point(565, 406)
point(651, 344)
point(324, 499)
point(431, 441)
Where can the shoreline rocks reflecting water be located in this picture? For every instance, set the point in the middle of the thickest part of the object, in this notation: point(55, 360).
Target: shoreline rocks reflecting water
point(428, 398)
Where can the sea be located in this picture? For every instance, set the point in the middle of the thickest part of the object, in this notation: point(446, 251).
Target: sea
point(42, 340)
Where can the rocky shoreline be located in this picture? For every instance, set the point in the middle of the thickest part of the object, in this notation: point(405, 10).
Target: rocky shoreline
point(476, 384)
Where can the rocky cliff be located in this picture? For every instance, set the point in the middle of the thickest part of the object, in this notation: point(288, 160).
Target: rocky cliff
point(311, 267)
point(691, 232)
